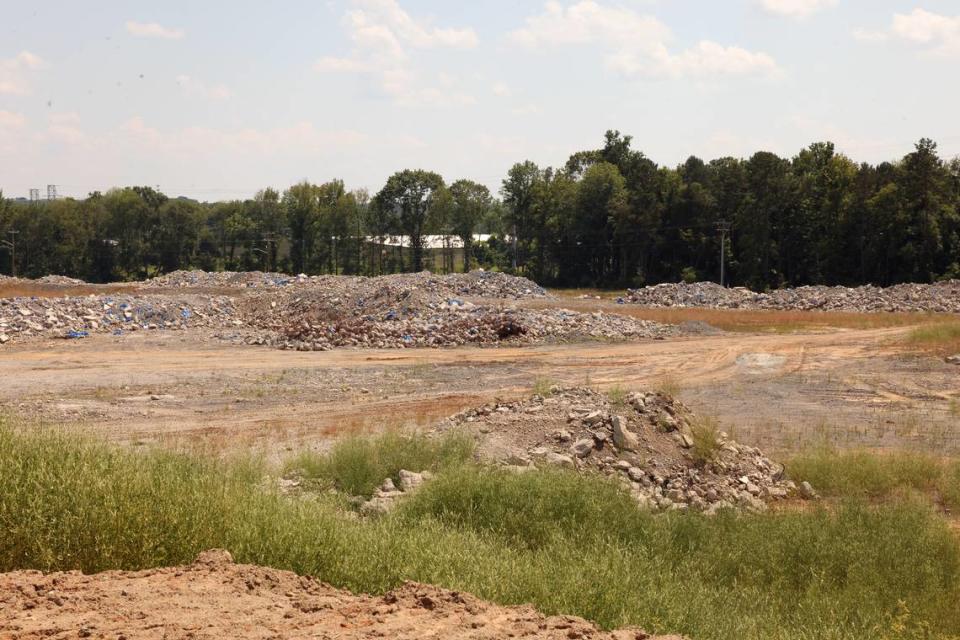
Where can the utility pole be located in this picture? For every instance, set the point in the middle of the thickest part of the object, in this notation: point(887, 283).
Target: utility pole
point(723, 227)
point(12, 245)
point(51, 192)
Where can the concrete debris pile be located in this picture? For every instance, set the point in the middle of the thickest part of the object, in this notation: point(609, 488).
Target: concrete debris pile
point(422, 310)
point(941, 297)
point(222, 279)
point(650, 441)
point(485, 284)
point(387, 494)
point(76, 317)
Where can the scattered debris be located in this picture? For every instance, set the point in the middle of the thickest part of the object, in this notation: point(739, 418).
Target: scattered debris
point(648, 441)
point(941, 297)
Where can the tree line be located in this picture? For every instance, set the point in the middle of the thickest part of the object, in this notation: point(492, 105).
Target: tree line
point(608, 217)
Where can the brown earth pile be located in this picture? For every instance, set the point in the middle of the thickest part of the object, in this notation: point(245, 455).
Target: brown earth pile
point(651, 441)
point(214, 598)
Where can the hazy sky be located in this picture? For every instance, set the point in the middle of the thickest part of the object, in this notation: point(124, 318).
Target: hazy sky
point(218, 99)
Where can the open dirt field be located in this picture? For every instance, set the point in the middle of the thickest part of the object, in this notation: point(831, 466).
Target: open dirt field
point(851, 386)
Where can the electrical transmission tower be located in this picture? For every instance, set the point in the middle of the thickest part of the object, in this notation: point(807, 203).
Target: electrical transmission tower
point(34, 195)
point(51, 192)
point(723, 228)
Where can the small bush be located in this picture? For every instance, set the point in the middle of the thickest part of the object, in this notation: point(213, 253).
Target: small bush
point(358, 465)
point(706, 439)
point(543, 386)
point(617, 396)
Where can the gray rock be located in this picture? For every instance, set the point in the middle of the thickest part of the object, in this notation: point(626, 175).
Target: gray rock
point(410, 480)
point(582, 448)
point(560, 460)
point(954, 359)
point(807, 491)
point(622, 436)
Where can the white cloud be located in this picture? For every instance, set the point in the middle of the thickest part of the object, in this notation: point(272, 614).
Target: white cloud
point(11, 120)
point(796, 8)
point(153, 30)
point(194, 87)
point(333, 64)
point(190, 141)
point(501, 90)
point(634, 43)
point(13, 80)
point(383, 37)
point(939, 33)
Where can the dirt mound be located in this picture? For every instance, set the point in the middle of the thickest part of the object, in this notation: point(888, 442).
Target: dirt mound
point(214, 598)
point(667, 456)
point(941, 297)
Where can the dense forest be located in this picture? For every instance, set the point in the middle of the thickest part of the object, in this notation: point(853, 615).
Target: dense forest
point(609, 217)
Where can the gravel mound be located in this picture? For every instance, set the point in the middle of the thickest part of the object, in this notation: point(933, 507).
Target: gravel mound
point(474, 284)
point(76, 317)
point(940, 297)
point(647, 440)
point(214, 598)
point(422, 310)
point(319, 313)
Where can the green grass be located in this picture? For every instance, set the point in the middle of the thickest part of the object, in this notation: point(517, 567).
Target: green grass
point(358, 465)
point(542, 386)
point(706, 439)
point(566, 543)
point(942, 338)
point(877, 476)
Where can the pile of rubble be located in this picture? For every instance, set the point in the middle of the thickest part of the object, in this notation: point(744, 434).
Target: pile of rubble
point(77, 317)
point(318, 313)
point(387, 494)
point(649, 440)
point(942, 297)
point(422, 310)
point(483, 284)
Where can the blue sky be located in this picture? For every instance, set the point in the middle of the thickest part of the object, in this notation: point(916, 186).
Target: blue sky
point(218, 99)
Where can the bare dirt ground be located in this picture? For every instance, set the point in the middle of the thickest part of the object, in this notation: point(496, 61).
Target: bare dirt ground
point(214, 598)
point(856, 387)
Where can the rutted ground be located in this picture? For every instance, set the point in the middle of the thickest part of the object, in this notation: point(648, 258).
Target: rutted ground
point(856, 387)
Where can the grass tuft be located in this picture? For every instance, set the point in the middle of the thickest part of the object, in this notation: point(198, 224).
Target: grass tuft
point(706, 439)
point(358, 465)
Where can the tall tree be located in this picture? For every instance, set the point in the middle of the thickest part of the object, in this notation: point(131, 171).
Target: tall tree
point(411, 193)
point(471, 202)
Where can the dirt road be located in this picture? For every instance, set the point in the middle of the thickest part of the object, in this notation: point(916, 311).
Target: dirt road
point(774, 390)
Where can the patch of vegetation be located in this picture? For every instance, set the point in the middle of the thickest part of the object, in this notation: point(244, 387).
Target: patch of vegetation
point(358, 465)
point(943, 337)
point(566, 543)
point(542, 386)
point(706, 439)
point(669, 386)
point(878, 476)
point(617, 396)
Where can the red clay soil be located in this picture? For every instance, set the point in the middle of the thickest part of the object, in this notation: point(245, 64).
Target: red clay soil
point(214, 598)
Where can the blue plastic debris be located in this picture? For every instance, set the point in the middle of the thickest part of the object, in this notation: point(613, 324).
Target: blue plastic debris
point(185, 313)
point(408, 338)
point(392, 315)
point(621, 301)
point(77, 334)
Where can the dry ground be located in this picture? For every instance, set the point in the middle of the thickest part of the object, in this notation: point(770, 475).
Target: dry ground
point(214, 599)
point(775, 382)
